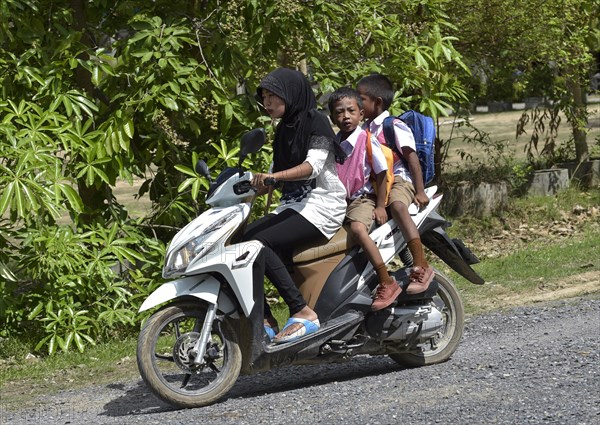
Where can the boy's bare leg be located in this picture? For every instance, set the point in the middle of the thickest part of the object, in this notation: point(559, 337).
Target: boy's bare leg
point(421, 274)
point(402, 218)
point(361, 236)
point(388, 289)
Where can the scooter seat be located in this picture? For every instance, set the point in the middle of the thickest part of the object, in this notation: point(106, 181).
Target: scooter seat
point(340, 242)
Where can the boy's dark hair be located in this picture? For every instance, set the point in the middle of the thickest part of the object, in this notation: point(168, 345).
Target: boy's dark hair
point(378, 85)
point(341, 93)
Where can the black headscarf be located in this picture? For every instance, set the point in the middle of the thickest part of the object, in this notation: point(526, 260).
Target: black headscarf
point(301, 126)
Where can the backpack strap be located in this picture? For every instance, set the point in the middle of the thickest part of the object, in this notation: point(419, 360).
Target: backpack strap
point(389, 159)
point(369, 152)
point(390, 135)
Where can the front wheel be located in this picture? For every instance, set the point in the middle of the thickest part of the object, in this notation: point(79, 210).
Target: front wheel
point(165, 363)
point(440, 347)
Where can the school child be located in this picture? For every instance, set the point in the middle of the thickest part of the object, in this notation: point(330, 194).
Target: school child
point(366, 202)
point(312, 203)
point(377, 93)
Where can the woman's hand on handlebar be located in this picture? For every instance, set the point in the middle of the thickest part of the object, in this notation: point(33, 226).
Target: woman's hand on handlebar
point(262, 181)
point(258, 180)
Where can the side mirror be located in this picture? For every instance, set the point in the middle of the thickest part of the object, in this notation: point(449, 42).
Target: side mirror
point(251, 142)
point(202, 169)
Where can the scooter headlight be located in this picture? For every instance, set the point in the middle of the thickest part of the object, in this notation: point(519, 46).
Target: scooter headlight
point(179, 260)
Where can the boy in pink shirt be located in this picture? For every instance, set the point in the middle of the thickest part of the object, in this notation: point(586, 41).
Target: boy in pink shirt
point(367, 203)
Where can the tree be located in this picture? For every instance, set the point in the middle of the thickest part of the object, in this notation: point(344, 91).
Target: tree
point(549, 40)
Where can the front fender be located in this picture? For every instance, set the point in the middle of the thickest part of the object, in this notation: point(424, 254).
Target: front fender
point(203, 287)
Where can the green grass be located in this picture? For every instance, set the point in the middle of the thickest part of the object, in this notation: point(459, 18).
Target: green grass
point(22, 380)
point(529, 271)
point(537, 262)
point(281, 313)
point(99, 360)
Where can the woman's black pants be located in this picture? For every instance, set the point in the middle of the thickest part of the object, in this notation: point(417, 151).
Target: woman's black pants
point(280, 234)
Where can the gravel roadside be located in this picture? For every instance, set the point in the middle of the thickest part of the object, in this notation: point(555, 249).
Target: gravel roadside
point(528, 365)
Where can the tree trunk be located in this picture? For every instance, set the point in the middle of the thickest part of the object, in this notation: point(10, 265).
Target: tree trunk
point(82, 76)
point(578, 119)
point(475, 199)
point(93, 198)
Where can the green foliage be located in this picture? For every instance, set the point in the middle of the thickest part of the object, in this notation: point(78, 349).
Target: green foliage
point(31, 170)
point(519, 176)
point(536, 38)
point(409, 41)
point(545, 122)
point(534, 48)
point(80, 285)
point(94, 93)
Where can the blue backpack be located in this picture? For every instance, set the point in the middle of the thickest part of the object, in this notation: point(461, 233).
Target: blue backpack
point(423, 130)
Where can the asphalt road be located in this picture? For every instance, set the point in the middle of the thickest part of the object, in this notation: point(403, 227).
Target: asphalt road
point(530, 365)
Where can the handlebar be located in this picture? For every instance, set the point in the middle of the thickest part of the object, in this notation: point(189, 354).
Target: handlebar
point(270, 181)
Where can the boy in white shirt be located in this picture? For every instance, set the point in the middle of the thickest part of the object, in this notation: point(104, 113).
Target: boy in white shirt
point(377, 93)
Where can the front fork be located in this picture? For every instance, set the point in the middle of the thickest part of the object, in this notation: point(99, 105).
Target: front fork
point(199, 349)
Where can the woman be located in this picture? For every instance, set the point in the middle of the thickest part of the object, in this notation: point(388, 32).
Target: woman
point(313, 201)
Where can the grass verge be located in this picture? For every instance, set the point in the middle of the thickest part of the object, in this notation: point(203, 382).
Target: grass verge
point(536, 273)
point(542, 248)
point(23, 376)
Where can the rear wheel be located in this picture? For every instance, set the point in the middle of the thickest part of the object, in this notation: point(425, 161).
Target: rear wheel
point(167, 365)
point(441, 346)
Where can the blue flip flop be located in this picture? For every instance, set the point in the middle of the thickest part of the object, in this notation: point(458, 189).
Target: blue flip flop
point(307, 328)
point(271, 332)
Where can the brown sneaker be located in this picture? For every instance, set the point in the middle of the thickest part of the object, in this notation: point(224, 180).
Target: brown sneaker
point(419, 280)
point(386, 294)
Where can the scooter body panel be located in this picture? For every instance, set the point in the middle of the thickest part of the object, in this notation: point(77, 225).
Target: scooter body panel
point(203, 287)
point(234, 263)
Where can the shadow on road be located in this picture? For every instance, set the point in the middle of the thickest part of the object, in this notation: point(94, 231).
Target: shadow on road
point(140, 401)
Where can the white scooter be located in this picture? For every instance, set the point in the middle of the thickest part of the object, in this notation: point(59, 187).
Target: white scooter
point(209, 327)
